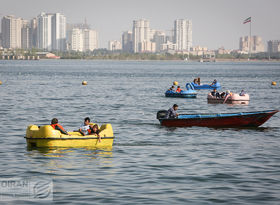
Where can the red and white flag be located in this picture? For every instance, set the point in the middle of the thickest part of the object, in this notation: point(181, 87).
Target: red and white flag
point(247, 20)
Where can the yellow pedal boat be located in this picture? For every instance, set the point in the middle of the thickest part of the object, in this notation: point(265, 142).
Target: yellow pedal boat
point(47, 136)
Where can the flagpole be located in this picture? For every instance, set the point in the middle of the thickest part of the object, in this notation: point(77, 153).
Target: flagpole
point(250, 43)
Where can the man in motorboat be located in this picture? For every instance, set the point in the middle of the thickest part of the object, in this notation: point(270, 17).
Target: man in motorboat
point(171, 113)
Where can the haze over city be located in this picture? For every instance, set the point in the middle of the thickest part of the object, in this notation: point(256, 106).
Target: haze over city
point(215, 23)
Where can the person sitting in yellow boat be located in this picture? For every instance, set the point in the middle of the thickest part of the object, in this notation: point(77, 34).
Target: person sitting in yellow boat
point(56, 126)
point(84, 128)
point(95, 131)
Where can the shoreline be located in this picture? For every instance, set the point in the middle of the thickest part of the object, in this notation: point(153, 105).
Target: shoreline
point(218, 60)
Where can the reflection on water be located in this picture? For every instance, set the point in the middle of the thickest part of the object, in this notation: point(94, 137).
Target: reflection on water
point(65, 157)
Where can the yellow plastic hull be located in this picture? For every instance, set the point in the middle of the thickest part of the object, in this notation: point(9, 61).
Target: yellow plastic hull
point(93, 142)
point(46, 136)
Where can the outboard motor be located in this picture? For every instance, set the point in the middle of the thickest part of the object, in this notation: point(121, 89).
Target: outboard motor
point(162, 114)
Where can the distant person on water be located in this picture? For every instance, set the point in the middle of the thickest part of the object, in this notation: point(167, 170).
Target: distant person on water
point(178, 89)
point(95, 131)
point(56, 126)
point(172, 88)
point(84, 128)
point(222, 95)
point(214, 82)
point(171, 113)
point(242, 93)
point(214, 93)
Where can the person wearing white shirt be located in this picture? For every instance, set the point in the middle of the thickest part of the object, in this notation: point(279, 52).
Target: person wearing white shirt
point(84, 128)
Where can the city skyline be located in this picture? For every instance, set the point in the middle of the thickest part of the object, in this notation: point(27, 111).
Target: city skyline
point(215, 24)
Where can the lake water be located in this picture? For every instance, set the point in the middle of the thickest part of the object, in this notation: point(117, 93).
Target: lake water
point(148, 163)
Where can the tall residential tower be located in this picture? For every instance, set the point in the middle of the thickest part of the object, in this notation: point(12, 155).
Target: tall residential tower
point(183, 34)
point(11, 32)
point(58, 32)
point(44, 31)
point(141, 33)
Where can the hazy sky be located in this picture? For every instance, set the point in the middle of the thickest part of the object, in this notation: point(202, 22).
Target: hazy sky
point(215, 22)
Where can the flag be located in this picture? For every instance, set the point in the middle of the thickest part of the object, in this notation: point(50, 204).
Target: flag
point(247, 20)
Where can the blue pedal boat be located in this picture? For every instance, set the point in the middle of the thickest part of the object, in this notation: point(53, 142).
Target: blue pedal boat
point(189, 93)
point(206, 86)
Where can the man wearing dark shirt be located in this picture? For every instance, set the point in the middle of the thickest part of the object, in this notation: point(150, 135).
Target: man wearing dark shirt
point(171, 113)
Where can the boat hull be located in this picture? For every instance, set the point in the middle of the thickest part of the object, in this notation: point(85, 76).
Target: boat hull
point(71, 143)
point(181, 95)
point(224, 120)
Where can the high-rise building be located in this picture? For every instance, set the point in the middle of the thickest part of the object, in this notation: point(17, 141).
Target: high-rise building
point(82, 39)
point(255, 42)
point(25, 35)
point(159, 39)
point(33, 33)
point(127, 42)
point(58, 32)
point(44, 31)
point(76, 40)
point(147, 47)
point(273, 46)
point(141, 33)
point(183, 34)
point(0, 40)
point(90, 39)
point(114, 45)
point(11, 32)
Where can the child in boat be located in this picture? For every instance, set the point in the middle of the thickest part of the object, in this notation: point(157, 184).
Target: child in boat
point(84, 128)
point(178, 89)
point(95, 131)
point(56, 126)
point(172, 88)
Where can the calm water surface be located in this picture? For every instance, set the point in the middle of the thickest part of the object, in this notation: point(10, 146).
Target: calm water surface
point(148, 163)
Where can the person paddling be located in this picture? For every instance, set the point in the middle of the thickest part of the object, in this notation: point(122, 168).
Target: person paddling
point(56, 126)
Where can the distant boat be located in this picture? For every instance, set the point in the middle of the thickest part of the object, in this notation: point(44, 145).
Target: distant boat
point(233, 98)
point(189, 93)
point(182, 94)
point(206, 86)
point(241, 119)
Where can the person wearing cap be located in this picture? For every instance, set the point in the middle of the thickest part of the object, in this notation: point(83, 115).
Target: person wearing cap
point(171, 113)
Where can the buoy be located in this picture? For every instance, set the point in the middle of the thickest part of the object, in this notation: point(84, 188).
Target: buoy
point(273, 83)
point(84, 82)
point(0, 82)
point(175, 83)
